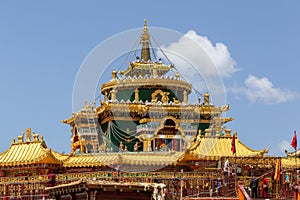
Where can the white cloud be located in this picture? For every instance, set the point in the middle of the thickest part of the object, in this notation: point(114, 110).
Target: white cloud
point(202, 63)
point(218, 54)
point(200, 51)
point(262, 90)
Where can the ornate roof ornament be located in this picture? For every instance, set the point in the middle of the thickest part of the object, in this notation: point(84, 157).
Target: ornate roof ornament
point(145, 54)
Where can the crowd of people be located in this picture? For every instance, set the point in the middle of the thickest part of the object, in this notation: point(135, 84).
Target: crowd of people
point(254, 183)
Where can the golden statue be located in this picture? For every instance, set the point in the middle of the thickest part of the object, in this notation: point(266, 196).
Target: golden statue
point(77, 142)
point(121, 146)
point(136, 146)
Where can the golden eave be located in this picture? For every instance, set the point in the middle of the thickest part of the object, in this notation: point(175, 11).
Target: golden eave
point(27, 153)
point(213, 148)
point(68, 121)
point(112, 110)
point(155, 107)
point(143, 82)
point(130, 158)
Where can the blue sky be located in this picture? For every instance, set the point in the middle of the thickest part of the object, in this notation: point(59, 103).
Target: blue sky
point(42, 45)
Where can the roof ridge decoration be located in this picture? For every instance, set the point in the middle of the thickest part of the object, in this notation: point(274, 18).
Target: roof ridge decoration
point(30, 137)
point(30, 151)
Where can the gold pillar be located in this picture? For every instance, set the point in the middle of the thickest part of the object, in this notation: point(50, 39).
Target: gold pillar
point(206, 98)
point(113, 94)
point(145, 145)
point(185, 97)
point(113, 74)
point(136, 95)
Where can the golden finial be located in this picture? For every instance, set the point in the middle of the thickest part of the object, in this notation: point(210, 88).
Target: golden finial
point(145, 54)
point(35, 137)
point(86, 104)
point(20, 138)
point(28, 134)
point(145, 36)
point(206, 98)
point(114, 74)
point(145, 24)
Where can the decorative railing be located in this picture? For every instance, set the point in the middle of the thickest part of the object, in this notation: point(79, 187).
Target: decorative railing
point(194, 184)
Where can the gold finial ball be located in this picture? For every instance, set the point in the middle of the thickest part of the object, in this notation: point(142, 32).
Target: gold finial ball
point(177, 75)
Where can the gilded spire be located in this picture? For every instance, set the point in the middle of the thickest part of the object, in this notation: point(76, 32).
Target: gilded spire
point(145, 54)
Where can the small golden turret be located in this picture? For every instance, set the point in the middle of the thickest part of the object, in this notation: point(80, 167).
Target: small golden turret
point(28, 134)
point(114, 74)
point(206, 98)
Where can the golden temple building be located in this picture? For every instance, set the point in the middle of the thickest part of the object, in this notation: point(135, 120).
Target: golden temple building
point(143, 141)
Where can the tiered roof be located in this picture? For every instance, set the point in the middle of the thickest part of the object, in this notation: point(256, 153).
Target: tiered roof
point(143, 73)
point(35, 151)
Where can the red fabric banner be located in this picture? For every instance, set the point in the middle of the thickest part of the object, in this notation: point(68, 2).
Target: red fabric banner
point(294, 141)
point(233, 149)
